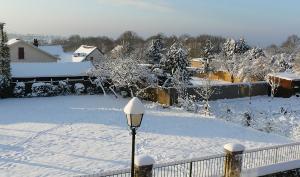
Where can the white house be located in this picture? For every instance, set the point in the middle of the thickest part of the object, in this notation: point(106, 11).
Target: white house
point(23, 52)
point(88, 53)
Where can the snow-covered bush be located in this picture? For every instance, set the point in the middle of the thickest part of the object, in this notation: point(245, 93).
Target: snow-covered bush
point(188, 103)
point(64, 88)
point(79, 88)
point(42, 89)
point(19, 90)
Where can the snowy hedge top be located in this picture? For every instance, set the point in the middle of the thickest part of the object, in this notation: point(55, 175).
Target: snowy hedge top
point(31, 70)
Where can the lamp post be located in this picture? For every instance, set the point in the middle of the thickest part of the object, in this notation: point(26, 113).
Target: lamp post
point(134, 111)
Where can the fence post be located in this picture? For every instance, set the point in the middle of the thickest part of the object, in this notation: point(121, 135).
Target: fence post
point(143, 166)
point(233, 160)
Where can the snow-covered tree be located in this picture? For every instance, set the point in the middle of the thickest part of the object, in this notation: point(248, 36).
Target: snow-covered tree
point(274, 83)
point(154, 51)
point(175, 68)
point(5, 75)
point(231, 47)
point(233, 54)
point(177, 59)
point(206, 91)
point(208, 56)
point(129, 74)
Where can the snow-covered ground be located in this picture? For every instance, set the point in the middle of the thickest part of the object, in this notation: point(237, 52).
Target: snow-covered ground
point(74, 135)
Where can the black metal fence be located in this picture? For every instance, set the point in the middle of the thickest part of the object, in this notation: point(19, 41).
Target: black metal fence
point(213, 166)
point(270, 155)
point(202, 167)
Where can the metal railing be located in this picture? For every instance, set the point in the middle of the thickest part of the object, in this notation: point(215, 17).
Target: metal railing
point(201, 167)
point(270, 155)
point(213, 166)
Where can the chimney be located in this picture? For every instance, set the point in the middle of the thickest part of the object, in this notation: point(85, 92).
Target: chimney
point(36, 42)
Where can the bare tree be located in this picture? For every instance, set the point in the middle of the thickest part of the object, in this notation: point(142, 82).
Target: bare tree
point(206, 91)
point(274, 83)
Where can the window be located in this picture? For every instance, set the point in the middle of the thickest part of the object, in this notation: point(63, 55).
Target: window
point(92, 58)
point(21, 53)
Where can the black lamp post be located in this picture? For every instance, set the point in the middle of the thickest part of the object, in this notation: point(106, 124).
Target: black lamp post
point(134, 111)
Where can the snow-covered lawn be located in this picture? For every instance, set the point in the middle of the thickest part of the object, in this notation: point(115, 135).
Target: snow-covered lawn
point(74, 135)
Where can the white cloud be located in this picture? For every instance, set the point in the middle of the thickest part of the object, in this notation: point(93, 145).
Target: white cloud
point(155, 5)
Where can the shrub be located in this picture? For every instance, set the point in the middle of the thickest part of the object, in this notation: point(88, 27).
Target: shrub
point(42, 89)
point(64, 88)
point(19, 90)
point(79, 88)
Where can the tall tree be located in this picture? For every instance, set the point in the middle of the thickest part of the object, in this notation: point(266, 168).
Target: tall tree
point(5, 75)
point(154, 51)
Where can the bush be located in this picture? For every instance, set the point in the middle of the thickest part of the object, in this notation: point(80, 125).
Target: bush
point(19, 90)
point(42, 89)
point(64, 88)
point(79, 88)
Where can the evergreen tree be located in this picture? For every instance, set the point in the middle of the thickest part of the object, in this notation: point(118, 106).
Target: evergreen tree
point(177, 59)
point(175, 66)
point(5, 74)
point(154, 52)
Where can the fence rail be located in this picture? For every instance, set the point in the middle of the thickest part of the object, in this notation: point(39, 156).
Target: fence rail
point(213, 166)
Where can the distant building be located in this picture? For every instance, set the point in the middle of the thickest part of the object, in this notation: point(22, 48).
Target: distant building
point(88, 53)
point(289, 83)
point(57, 51)
point(23, 52)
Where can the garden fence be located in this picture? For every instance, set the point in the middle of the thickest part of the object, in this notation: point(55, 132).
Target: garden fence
point(213, 166)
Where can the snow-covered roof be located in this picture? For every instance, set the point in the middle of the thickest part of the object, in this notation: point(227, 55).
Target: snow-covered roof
point(286, 76)
point(31, 70)
point(58, 51)
point(82, 52)
point(55, 50)
point(13, 41)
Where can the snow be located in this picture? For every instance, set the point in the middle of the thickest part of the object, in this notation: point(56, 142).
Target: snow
point(134, 106)
point(77, 135)
point(287, 76)
point(82, 52)
point(272, 169)
point(57, 51)
point(30, 70)
point(143, 160)
point(234, 147)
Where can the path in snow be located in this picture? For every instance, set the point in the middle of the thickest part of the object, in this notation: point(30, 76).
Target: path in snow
point(73, 135)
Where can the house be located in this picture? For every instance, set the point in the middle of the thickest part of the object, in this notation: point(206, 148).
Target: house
point(88, 53)
point(288, 83)
point(57, 51)
point(23, 52)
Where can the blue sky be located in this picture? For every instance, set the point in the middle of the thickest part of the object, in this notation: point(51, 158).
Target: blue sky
point(261, 22)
